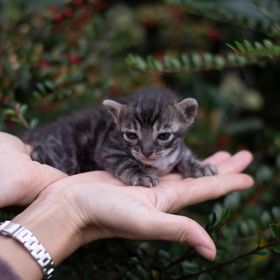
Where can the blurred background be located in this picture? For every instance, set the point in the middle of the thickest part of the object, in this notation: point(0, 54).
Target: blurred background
point(58, 56)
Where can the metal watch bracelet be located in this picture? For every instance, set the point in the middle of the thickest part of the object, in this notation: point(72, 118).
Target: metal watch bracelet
point(27, 239)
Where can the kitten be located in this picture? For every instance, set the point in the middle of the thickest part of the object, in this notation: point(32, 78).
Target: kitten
point(136, 139)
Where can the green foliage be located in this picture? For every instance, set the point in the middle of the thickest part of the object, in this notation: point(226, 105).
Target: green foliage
point(58, 58)
point(245, 53)
point(259, 15)
point(257, 49)
point(189, 62)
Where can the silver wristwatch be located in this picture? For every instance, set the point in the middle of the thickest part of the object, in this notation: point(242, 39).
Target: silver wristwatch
point(26, 238)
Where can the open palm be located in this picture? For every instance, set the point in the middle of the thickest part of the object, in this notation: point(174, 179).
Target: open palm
point(107, 208)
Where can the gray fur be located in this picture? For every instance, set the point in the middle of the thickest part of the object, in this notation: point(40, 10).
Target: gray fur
point(126, 138)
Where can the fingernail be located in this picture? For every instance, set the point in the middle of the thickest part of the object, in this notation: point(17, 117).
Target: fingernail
point(206, 252)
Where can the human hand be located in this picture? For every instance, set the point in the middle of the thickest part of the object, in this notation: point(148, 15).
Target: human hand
point(90, 206)
point(137, 211)
point(21, 179)
point(99, 206)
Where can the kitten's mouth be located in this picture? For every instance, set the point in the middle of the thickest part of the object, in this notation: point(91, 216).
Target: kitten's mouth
point(145, 159)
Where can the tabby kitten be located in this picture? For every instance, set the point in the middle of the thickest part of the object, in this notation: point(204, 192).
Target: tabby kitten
point(136, 139)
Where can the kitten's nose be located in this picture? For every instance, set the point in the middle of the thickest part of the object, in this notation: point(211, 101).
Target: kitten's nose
point(147, 152)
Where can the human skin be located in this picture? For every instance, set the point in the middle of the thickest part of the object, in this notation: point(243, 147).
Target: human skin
point(21, 179)
point(71, 211)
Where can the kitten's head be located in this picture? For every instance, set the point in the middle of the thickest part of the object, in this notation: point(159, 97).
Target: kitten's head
point(152, 122)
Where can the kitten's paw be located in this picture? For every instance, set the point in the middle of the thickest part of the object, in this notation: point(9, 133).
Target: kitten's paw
point(204, 170)
point(146, 180)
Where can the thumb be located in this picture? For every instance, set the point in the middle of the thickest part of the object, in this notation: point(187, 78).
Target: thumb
point(184, 230)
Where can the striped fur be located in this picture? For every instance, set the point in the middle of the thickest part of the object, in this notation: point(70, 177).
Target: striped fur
point(99, 139)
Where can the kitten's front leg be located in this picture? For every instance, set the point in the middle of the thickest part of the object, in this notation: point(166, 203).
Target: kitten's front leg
point(190, 166)
point(129, 171)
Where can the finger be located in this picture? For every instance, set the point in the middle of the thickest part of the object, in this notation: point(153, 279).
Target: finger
point(11, 142)
point(28, 149)
point(208, 188)
point(236, 163)
point(171, 176)
point(218, 157)
point(181, 229)
point(201, 189)
point(224, 159)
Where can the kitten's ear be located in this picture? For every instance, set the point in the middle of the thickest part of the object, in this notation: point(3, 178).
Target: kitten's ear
point(188, 107)
point(114, 108)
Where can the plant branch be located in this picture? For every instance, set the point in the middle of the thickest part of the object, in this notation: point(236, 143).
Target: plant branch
point(223, 264)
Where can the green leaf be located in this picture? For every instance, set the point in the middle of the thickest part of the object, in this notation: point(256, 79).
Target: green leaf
point(154, 64)
point(23, 109)
point(196, 60)
point(265, 218)
point(164, 254)
point(208, 59)
point(225, 215)
point(240, 47)
point(231, 57)
point(37, 95)
point(220, 61)
point(212, 220)
point(264, 173)
point(33, 123)
point(262, 252)
point(268, 44)
point(276, 213)
point(142, 272)
point(49, 84)
point(205, 277)
point(244, 228)
point(190, 267)
point(171, 62)
point(275, 230)
point(232, 201)
point(10, 112)
point(241, 60)
point(41, 87)
point(155, 274)
point(185, 60)
point(276, 248)
point(248, 46)
point(256, 49)
point(136, 62)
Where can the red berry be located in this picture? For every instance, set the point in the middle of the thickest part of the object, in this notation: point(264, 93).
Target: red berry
point(214, 33)
point(68, 12)
point(58, 17)
point(74, 59)
point(43, 64)
point(223, 141)
point(79, 2)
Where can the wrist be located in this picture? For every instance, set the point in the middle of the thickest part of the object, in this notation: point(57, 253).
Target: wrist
point(54, 222)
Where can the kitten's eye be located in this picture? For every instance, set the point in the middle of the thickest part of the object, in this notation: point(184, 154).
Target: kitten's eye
point(130, 136)
point(164, 136)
